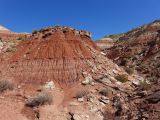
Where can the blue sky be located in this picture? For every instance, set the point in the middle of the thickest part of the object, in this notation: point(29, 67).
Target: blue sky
point(101, 17)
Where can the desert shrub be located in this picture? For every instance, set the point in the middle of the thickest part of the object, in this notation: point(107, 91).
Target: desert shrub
point(40, 99)
point(123, 62)
point(158, 65)
point(6, 85)
point(21, 37)
point(122, 78)
point(144, 85)
point(129, 70)
point(104, 92)
point(81, 94)
point(11, 48)
point(34, 32)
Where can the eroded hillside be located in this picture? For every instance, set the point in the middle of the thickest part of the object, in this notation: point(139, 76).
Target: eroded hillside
point(59, 73)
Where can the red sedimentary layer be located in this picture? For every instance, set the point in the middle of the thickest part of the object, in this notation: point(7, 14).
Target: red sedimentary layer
point(59, 54)
point(104, 44)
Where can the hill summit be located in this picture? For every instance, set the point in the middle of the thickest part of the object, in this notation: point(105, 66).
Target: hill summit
point(3, 29)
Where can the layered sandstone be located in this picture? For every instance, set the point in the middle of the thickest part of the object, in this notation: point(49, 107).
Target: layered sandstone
point(105, 43)
point(58, 54)
point(139, 49)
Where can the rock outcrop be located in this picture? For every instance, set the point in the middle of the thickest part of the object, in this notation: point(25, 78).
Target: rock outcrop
point(108, 41)
point(58, 54)
point(105, 43)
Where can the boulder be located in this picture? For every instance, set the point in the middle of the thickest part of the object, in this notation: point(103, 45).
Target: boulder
point(80, 99)
point(49, 85)
point(88, 80)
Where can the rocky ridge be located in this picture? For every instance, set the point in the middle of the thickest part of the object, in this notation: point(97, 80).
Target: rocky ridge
point(138, 51)
point(3, 29)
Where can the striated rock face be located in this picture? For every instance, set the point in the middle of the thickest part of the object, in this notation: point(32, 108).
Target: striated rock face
point(58, 54)
point(108, 41)
point(105, 43)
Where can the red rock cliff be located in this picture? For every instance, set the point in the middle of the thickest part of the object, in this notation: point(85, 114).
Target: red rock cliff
point(57, 54)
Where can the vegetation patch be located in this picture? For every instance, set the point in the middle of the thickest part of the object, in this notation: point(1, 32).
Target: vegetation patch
point(21, 37)
point(6, 85)
point(129, 70)
point(114, 36)
point(11, 48)
point(40, 99)
point(122, 78)
point(144, 85)
point(81, 94)
point(104, 92)
point(34, 32)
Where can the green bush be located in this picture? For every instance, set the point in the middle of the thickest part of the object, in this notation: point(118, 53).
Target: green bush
point(122, 78)
point(6, 85)
point(40, 99)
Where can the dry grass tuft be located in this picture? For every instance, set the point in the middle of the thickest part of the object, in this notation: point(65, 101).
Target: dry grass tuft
point(81, 94)
point(40, 99)
point(104, 92)
point(6, 85)
point(122, 78)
